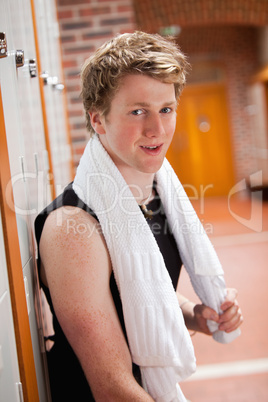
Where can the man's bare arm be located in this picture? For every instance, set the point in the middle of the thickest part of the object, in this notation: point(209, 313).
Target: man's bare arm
point(77, 269)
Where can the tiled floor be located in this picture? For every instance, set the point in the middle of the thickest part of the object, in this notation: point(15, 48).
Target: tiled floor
point(237, 372)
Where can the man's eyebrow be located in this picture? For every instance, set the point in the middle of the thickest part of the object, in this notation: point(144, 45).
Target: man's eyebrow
point(145, 104)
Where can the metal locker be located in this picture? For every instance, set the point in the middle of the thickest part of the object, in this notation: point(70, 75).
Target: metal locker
point(9, 369)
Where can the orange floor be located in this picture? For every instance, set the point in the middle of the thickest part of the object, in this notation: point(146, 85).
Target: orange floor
point(237, 372)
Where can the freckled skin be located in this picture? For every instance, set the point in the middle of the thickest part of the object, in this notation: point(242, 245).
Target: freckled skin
point(77, 269)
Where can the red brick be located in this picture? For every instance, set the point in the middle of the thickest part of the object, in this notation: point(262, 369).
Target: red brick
point(72, 2)
point(79, 150)
point(98, 34)
point(73, 88)
point(69, 63)
point(65, 14)
point(78, 50)
point(75, 113)
point(124, 8)
point(94, 11)
point(78, 137)
point(115, 21)
point(75, 25)
point(76, 100)
point(65, 39)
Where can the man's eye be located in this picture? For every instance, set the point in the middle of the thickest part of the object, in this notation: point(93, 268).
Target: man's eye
point(136, 112)
point(166, 110)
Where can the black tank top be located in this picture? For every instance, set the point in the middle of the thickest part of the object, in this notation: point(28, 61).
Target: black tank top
point(67, 380)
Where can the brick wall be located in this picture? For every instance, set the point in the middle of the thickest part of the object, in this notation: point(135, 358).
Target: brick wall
point(151, 15)
point(84, 26)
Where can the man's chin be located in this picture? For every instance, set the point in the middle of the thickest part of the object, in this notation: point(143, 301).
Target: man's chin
point(152, 169)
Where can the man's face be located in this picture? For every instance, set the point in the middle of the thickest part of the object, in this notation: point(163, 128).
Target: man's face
point(140, 125)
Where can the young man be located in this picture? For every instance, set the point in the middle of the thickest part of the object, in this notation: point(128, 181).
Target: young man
point(109, 231)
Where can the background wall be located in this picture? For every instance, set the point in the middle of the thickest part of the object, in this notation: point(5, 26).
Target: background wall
point(84, 26)
point(230, 33)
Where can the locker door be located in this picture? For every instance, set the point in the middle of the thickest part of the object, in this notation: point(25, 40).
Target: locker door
point(23, 121)
point(9, 370)
point(29, 181)
point(47, 31)
point(15, 278)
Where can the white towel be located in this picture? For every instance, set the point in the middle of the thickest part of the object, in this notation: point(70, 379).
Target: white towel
point(158, 338)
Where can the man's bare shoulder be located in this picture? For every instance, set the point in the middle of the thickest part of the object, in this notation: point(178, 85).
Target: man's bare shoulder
point(73, 221)
point(73, 237)
point(72, 225)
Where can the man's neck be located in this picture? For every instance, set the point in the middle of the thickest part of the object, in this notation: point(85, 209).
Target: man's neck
point(140, 184)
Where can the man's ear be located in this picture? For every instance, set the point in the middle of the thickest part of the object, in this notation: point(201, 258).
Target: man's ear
point(97, 122)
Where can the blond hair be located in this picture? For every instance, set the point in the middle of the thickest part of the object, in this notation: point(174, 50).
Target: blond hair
point(129, 53)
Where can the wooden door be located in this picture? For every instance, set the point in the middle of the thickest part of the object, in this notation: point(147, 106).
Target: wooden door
point(200, 152)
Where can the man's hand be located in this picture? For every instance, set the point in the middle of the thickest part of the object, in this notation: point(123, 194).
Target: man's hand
point(230, 319)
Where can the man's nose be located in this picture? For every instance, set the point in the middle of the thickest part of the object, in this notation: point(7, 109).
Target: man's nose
point(154, 126)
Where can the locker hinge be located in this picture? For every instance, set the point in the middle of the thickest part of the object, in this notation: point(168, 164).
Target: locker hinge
point(32, 68)
point(19, 58)
point(53, 81)
point(3, 45)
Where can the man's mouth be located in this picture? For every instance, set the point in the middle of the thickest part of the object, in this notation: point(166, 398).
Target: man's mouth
point(154, 147)
point(152, 150)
